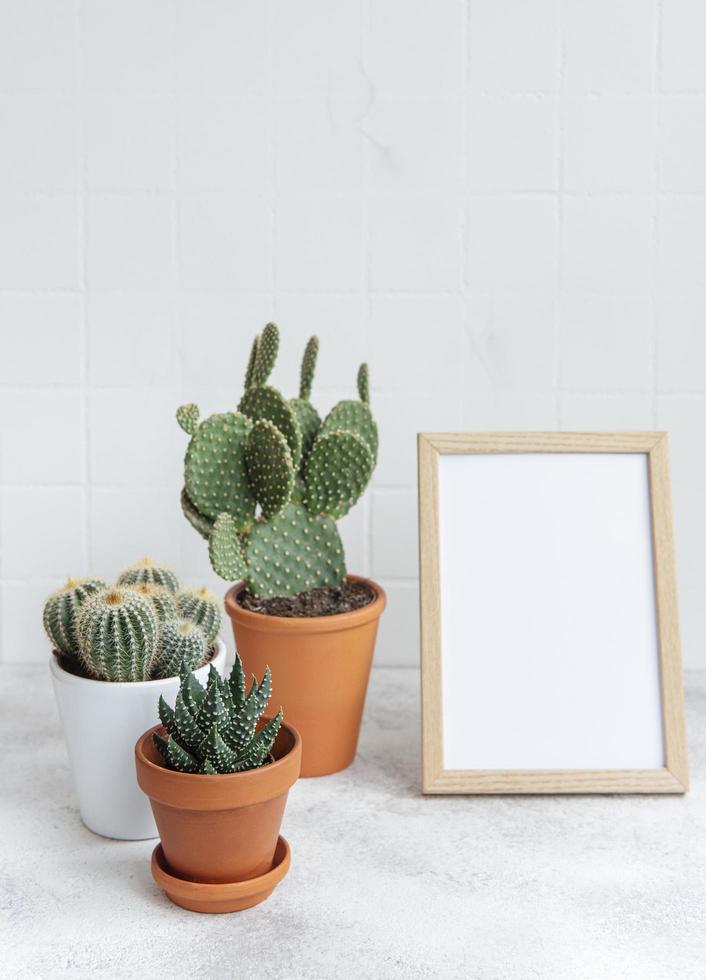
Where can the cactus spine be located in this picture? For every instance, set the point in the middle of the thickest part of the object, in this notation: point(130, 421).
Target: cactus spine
point(213, 731)
point(302, 472)
point(61, 612)
point(118, 635)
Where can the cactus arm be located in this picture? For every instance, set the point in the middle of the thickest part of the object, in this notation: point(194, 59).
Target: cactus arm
point(356, 417)
point(252, 361)
point(188, 418)
point(306, 374)
point(214, 468)
point(225, 550)
point(363, 382)
point(267, 348)
point(269, 467)
point(309, 423)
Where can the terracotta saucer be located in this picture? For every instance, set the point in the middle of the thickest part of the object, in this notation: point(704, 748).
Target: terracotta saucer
point(203, 897)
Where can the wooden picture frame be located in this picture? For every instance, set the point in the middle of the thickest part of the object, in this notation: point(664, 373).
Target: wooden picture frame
point(672, 775)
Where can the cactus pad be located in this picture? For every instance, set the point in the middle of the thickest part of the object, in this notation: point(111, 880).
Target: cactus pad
point(352, 416)
point(225, 549)
point(146, 570)
point(214, 474)
point(204, 609)
point(267, 348)
point(188, 418)
point(268, 403)
point(61, 612)
point(363, 382)
point(204, 525)
point(269, 467)
point(337, 473)
point(306, 375)
point(252, 363)
point(293, 552)
point(118, 635)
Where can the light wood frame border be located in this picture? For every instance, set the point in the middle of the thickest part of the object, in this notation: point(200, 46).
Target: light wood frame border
point(673, 778)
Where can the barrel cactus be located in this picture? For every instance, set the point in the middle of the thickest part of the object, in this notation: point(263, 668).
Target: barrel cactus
point(163, 601)
point(265, 485)
point(118, 633)
point(182, 646)
point(213, 730)
point(147, 570)
point(61, 612)
point(203, 608)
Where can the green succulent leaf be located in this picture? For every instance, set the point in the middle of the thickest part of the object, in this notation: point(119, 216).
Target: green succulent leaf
point(212, 710)
point(166, 715)
point(236, 683)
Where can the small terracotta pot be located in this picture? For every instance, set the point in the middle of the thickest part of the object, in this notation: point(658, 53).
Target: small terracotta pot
point(219, 829)
point(320, 669)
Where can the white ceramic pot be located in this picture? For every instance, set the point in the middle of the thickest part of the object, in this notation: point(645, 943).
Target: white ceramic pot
point(102, 721)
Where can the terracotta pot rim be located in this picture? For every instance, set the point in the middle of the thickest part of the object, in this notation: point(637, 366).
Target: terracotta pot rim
point(66, 677)
point(188, 791)
point(308, 624)
point(220, 890)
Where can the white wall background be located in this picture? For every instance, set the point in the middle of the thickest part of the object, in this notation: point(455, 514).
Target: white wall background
point(501, 204)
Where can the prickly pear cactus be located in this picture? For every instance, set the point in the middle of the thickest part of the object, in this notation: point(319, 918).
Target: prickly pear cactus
point(147, 570)
point(118, 635)
point(61, 612)
point(266, 500)
point(182, 647)
point(213, 731)
point(204, 609)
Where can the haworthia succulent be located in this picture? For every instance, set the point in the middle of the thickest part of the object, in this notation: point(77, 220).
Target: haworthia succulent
point(147, 570)
point(61, 612)
point(215, 731)
point(118, 635)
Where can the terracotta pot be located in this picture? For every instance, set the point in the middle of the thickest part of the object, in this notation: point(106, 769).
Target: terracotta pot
point(219, 829)
point(101, 720)
point(320, 669)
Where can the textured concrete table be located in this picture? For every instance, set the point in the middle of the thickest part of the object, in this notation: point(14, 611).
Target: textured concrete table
point(384, 882)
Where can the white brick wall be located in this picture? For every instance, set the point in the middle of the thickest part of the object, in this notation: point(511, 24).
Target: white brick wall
point(499, 203)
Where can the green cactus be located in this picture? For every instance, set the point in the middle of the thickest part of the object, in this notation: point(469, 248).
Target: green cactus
point(204, 609)
point(146, 570)
point(118, 634)
point(163, 601)
point(61, 613)
point(188, 418)
point(182, 646)
point(214, 730)
point(301, 472)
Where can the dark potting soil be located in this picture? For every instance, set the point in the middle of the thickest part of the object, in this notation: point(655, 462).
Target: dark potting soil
point(325, 601)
